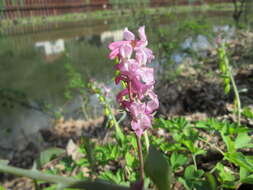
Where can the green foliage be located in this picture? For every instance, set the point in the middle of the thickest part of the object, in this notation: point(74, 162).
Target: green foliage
point(225, 176)
point(224, 67)
point(227, 76)
point(48, 155)
point(193, 179)
point(101, 91)
point(128, 2)
point(247, 113)
point(177, 160)
point(180, 160)
point(2, 5)
point(2, 188)
point(158, 169)
point(75, 82)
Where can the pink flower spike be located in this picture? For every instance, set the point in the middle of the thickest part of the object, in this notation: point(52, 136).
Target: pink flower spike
point(137, 97)
point(129, 36)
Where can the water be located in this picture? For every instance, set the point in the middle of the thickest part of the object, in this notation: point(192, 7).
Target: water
point(32, 75)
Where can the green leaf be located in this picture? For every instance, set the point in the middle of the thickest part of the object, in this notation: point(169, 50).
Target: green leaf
point(242, 140)
point(47, 155)
point(211, 181)
point(248, 179)
point(243, 173)
point(177, 160)
point(224, 174)
point(184, 183)
point(193, 179)
point(191, 173)
point(247, 113)
point(229, 143)
point(239, 159)
point(158, 169)
point(129, 159)
point(249, 160)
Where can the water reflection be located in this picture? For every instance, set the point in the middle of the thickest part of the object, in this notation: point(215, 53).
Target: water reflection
point(51, 47)
point(109, 36)
point(52, 50)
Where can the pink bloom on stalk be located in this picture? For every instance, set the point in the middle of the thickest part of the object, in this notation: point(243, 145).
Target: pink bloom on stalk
point(141, 119)
point(138, 97)
point(139, 78)
point(115, 46)
point(153, 103)
point(139, 46)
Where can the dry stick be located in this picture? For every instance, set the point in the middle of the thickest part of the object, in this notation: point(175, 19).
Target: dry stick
point(138, 138)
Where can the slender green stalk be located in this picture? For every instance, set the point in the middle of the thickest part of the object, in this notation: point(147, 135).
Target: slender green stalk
point(36, 175)
point(85, 113)
point(237, 97)
point(140, 157)
point(147, 143)
point(211, 145)
point(36, 185)
point(194, 162)
point(226, 70)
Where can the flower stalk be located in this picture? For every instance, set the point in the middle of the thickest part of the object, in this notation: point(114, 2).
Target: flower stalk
point(137, 97)
point(140, 155)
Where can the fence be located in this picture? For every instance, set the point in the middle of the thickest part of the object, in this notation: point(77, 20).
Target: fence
point(27, 8)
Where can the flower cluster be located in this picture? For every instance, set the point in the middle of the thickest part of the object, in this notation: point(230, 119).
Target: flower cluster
point(138, 97)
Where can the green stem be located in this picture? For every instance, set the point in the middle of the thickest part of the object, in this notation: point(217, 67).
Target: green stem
point(119, 133)
point(194, 162)
point(36, 185)
point(237, 97)
point(85, 113)
point(211, 145)
point(146, 140)
point(140, 157)
point(36, 175)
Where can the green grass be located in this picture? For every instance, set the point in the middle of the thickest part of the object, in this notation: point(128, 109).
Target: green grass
point(110, 14)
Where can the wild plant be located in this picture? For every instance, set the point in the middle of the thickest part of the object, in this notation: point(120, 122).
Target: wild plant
point(227, 75)
point(139, 100)
point(102, 93)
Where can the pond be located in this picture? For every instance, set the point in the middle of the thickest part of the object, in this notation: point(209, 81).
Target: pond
point(33, 78)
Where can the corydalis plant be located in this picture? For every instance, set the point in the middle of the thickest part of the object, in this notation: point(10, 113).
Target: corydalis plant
point(137, 97)
point(227, 75)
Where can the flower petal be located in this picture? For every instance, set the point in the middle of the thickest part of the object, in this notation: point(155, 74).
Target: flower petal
point(128, 35)
point(126, 51)
point(142, 34)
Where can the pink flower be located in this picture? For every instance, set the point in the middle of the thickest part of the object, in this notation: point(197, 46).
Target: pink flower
point(138, 97)
point(153, 103)
point(141, 119)
point(115, 46)
point(142, 52)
